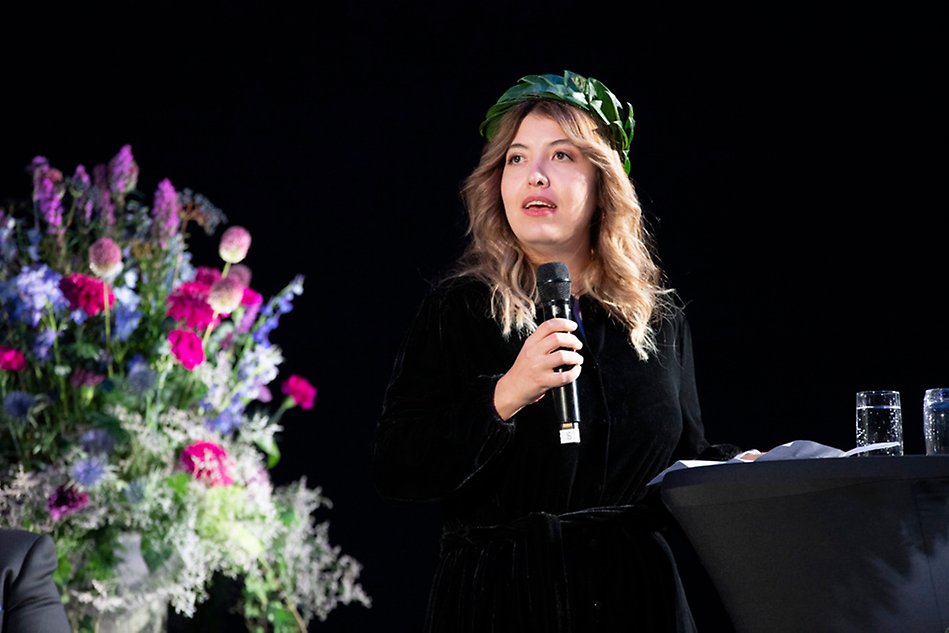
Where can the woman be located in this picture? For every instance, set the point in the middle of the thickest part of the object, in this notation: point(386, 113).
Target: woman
point(540, 535)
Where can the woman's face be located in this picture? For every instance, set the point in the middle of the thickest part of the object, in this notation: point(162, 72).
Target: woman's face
point(549, 191)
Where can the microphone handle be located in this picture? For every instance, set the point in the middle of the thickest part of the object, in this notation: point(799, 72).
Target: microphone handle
point(566, 401)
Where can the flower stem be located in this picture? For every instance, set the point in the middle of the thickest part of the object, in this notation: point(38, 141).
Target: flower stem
point(108, 345)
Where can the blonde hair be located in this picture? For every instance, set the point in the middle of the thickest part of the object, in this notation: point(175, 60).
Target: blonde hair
point(621, 275)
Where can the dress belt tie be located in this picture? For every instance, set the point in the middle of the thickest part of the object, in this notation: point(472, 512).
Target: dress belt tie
point(545, 563)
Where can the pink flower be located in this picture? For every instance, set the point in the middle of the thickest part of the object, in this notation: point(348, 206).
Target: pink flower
point(105, 258)
point(189, 303)
point(11, 359)
point(251, 298)
point(85, 292)
point(206, 276)
point(207, 462)
point(300, 389)
point(241, 273)
point(66, 499)
point(226, 295)
point(235, 242)
point(84, 377)
point(186, 346)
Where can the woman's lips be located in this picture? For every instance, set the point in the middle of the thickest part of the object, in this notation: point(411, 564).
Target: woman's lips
point(535, 206)
point(538, 211)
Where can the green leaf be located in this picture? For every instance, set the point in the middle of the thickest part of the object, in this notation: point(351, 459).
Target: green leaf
point(269, 448)
point(87, 351)
point(281, 618)
point(178, 484)
point(155, 553)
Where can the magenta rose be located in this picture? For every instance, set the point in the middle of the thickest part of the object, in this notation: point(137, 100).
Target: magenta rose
point(207, 462)
point(300, 389)
point(65, 500)
point(85, 293)
point(11, 359)
point(205, 275)
point(186, 346)
point(189, 303)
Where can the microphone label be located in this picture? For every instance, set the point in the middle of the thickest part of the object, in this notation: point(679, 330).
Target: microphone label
point(570, 433)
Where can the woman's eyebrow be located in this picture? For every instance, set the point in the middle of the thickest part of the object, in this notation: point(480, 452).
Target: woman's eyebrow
point(559, 141)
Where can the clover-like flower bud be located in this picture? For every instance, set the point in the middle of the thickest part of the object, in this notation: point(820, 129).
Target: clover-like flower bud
point(105, 258)
point(226, 294)
point(235, 242)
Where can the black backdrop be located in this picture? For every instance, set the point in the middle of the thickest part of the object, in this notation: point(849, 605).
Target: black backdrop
point(790, 165)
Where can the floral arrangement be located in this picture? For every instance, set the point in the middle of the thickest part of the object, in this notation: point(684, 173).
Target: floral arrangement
point(135, 426)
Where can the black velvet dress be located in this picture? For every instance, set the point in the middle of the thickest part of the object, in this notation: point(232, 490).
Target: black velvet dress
point(541, 536)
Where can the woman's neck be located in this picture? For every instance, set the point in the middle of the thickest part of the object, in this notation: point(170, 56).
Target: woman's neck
point(576, 262)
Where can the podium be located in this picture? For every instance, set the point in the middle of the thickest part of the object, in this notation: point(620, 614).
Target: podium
point(855, 544)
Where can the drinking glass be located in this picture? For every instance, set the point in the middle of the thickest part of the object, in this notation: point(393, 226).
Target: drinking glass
point(936, 421)
point(879, 419)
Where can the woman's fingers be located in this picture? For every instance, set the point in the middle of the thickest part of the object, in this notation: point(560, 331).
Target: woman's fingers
point(561, 339)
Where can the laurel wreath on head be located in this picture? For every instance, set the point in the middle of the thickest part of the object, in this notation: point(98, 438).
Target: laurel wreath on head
point(587, 94)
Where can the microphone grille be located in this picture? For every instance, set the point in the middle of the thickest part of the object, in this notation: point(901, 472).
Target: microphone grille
point(553, 282)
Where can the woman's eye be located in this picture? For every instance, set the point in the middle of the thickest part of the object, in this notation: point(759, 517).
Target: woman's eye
point(561, 156)
point(515, 159)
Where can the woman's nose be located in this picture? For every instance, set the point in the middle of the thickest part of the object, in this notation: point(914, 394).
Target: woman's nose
point(537, 176)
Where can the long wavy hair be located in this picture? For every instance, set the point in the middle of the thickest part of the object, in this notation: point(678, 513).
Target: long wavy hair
point(622, 274)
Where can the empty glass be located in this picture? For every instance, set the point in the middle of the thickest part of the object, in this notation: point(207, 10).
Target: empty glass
point(879, 419)
point(936, 421)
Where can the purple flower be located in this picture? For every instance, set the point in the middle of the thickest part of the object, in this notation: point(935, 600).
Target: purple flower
point(48, 190)
point(80, 182)
point(66, 499)
point(88, 471)
point(17, 405)
point(96, 441)
point(100, 176)
point(165, 210)
point(123, 172)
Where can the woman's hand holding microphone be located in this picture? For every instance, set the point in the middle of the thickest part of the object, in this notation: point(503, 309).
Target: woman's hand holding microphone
point(550, 346)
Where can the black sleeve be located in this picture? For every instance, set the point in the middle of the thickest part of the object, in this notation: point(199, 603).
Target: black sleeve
point(692, 444)
point(439, 428)
point(33, 603)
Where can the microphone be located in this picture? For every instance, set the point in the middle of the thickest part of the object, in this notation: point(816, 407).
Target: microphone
point(553, 286)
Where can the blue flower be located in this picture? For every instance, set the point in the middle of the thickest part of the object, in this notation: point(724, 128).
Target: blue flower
point(34, 291)
point(17, 405)
point(97, 441)
point(226, 421)
point(135, 492)
point(88, 471)
point(7, 243)
point(126, 320)
point(44, 343)
point(268, 326)
point(34, 236)
point(140, 378)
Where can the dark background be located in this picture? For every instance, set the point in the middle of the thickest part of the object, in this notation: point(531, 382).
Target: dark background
point(790, 164)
